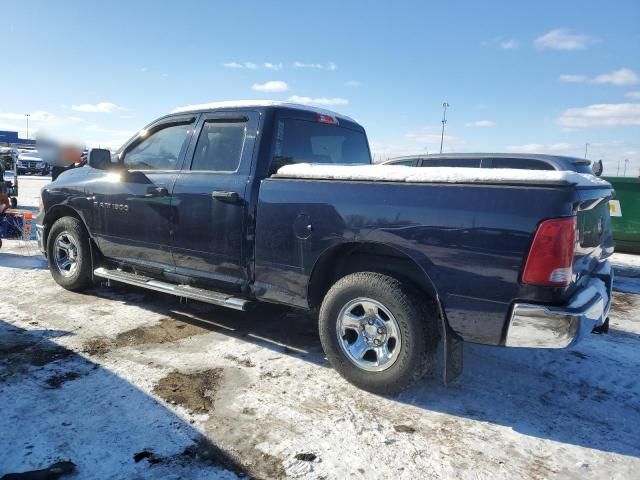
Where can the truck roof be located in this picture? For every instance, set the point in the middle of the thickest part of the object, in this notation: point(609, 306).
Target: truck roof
point(233, 104)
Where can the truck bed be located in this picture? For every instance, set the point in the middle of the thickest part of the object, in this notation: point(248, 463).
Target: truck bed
point(471, 239)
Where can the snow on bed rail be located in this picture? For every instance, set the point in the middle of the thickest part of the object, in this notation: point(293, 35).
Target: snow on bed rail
point(401, 173)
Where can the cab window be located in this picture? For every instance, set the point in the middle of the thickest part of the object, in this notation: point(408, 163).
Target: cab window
point(219, 146)
point(302, 141)
point(159, 151)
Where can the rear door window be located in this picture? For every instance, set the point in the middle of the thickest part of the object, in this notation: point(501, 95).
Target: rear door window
point(451, 162)
point(220, 145)
point(407, 163)
point(520, 163)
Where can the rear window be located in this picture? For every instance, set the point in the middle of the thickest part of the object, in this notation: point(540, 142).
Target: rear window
point(302, 141)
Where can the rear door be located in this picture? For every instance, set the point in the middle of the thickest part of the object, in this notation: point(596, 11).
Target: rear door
point(135, 205)
point(209, 200)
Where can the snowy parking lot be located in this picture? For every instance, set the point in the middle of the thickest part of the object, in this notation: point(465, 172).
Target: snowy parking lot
point(128, 383)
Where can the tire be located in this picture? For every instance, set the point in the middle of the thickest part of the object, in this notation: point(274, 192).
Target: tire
point(400, 311)
point(14, 202)
point(69, 233)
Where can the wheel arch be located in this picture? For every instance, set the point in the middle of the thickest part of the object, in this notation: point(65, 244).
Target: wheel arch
point(54, 214)
point(341, 260)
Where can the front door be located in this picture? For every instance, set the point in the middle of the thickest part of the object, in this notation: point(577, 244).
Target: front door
point(209, 200)
point(136, 214)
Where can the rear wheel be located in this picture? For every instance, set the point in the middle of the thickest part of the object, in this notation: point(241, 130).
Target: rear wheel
point(69, 254)
point(378, 332)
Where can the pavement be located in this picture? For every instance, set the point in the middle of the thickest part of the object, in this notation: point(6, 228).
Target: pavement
point(127, 383)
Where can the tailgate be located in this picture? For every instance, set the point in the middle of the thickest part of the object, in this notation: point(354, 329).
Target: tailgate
point(594, 235)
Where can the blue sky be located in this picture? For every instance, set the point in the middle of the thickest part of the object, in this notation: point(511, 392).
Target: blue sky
point(541, 76)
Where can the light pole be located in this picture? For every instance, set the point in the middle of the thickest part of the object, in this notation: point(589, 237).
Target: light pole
point(586, 150)
point(618, 171)
point(444, 121)
point(27, 115)
point(626, 160)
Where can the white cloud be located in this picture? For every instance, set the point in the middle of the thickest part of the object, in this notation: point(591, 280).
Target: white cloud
point(317, 66)
point(323, 101)
point(101, 107)
point(271, 86)
point(635, 94)
point(247, 65)
point(574, 78)
point(563, 39)
point(541, 148)
point(481, 123)
point(272, 66)
point(353, 83)
point(604, 114)
point(623, 76)
point(509, 44)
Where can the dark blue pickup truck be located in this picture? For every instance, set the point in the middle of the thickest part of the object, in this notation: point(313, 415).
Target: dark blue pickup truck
point(198, 205)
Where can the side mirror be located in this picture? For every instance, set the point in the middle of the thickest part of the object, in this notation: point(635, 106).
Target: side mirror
point(597, 168)
point(99, 158)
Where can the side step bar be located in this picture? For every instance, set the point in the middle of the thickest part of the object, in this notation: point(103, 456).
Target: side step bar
point(186, 291)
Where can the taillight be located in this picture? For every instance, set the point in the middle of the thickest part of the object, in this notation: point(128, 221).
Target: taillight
point(550, 260)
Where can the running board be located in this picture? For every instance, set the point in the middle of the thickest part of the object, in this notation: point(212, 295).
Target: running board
point(186, 291)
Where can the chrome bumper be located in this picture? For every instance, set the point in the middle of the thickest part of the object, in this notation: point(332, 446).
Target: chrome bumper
point(542, 326)
point(40, 238)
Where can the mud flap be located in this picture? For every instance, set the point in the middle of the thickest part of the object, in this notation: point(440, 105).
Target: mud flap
point(452, 353)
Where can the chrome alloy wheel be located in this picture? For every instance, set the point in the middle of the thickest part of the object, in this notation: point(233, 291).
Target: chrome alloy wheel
point(65, 254)
point(368, 334)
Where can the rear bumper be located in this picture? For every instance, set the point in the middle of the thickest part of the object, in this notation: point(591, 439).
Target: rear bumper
point(543, 326)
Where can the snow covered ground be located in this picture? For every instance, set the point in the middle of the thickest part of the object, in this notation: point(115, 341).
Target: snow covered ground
point(194, 391)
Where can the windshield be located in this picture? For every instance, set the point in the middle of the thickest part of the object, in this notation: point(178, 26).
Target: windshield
point(30, 156)
point(302, 141)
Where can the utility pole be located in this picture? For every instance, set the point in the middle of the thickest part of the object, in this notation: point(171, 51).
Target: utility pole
point(586, 150)
point(626, 160)
point(27, 115)
point(618, 171)
point(444, 121)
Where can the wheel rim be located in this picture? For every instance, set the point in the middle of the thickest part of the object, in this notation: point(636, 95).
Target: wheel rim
point(65, 254)
point(368, 334)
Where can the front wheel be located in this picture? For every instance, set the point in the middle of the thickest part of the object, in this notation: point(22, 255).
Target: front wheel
point(378, 332)
point(69, 254)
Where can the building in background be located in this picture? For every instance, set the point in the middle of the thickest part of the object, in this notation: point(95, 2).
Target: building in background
point(9, 138)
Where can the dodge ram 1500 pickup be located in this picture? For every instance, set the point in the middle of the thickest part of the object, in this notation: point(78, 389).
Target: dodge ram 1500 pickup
point(246, 202)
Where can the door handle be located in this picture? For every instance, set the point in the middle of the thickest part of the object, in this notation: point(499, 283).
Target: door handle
point(156, 192)
point(229, 197)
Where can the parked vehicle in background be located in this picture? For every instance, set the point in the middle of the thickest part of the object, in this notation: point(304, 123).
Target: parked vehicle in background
point(527, 161)
point(30, 163)
point(8, 158)
point(217, 203)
